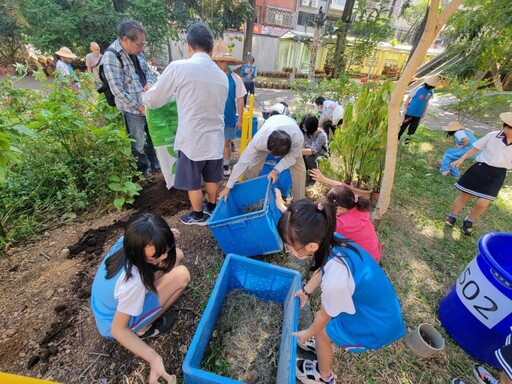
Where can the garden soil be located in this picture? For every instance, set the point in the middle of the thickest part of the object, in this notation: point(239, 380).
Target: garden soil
point(47, 329)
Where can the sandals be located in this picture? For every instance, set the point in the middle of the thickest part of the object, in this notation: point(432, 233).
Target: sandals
point(309, 345)
point(161, 326)
point(307, 373)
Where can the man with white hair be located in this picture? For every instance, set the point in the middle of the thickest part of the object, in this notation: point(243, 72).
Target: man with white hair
point(280, 136)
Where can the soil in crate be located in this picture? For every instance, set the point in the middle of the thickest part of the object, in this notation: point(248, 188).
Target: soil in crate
point(245, 342)
point(249, 208)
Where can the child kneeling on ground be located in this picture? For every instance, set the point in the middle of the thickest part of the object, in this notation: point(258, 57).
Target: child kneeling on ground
point(359, 309)
point(136, 283)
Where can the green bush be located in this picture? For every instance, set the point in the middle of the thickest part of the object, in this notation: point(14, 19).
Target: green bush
point(78, 157)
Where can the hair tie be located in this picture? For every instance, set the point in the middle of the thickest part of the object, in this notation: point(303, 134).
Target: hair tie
point(320, 207)
point(356, 199)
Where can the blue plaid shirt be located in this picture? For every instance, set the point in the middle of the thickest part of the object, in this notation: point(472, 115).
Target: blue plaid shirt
point(123, 80)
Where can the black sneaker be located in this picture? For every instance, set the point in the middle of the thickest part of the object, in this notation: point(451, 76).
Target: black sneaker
point(467, 227)
point(450, 221)
point(226, 170)
point(161, 326)
point(457, 381)
point(190, 219)
point(407, 140)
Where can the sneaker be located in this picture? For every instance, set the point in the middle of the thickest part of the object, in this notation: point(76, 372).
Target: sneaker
point(206, 210)
point(467, 227)
point(450, 220)
point(226, 170)
point(483, 376)
point(147, 175)
point(309, 345)
point(233, 149)
point(161, 326)
point(407, 140)
point(307, 373)
point(457, 381)
point(190, 219)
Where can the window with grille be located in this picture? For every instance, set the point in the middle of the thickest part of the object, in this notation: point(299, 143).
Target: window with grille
point(279, 17)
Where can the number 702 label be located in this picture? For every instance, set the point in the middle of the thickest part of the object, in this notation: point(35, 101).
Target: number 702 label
point(481, 297)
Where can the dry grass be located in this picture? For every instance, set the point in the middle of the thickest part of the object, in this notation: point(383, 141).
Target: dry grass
point(245, 341)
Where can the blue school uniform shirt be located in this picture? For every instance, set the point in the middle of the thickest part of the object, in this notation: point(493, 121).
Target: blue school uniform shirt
point(230, 107)
point(419, 101)
point(377, 320)
point(104, 304)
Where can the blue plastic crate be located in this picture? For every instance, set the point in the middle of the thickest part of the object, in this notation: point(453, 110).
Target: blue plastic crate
point(265, 281)
point(238, 133)
point(247, 234)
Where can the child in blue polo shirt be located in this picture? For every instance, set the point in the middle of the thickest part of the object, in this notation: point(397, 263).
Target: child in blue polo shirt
point(359, 309)
point(234, 102)
point(416, 106)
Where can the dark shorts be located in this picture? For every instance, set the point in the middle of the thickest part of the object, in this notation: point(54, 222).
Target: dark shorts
point(482, 180)
point(189, 172)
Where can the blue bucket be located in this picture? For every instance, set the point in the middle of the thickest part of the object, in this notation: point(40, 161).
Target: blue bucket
point(477, 311)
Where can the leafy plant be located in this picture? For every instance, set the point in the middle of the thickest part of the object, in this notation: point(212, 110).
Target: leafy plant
point(74, 156)
point(361, 142)
point(472, 98)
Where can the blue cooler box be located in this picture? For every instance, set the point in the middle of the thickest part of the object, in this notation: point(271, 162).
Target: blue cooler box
point(267, 282)
point(249, 234)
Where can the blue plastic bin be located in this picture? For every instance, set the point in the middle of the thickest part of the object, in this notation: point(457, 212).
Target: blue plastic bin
point(267, 282)
point(247, 234)
point(254, 127)
point(477, 311)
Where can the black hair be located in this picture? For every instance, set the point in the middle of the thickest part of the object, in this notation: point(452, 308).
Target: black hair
point(251, 58)
point(200, 37)
point(450, 133)
point(306, 222)
point(309, 124)
point(147, 229)
point(343, 196)
point(279, 143)
point(319, 100)
point(429, 86)
point(132, 29)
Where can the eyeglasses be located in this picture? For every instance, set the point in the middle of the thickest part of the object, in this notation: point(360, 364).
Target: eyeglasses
point(140, 45)
point(290, 249)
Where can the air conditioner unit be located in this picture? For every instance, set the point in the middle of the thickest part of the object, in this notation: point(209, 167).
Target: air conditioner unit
point(305, 3)
point(314, 3)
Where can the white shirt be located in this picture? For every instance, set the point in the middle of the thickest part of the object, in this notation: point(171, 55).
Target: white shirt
point(333, 111)
point(257, 148)
point(201, 90)
point(130, 293)
point(460, 134)
point(494, 151)
point(240, 90)
point(338, 286)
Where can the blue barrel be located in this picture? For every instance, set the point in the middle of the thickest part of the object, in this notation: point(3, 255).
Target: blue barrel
point(477, 311)
point(254, 127)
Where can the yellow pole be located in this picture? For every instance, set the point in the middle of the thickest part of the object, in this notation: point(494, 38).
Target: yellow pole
point(7, 378)
point(251, 114)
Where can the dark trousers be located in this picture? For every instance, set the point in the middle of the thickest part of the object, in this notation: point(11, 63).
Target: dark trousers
point(328, 126)
point(250, 90)
point(410, 122)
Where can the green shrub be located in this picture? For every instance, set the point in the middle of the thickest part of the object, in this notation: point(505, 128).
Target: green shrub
point(78, 158)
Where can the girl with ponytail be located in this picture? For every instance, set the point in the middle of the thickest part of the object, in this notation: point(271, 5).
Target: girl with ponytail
point(359, 308)
point(353, 219)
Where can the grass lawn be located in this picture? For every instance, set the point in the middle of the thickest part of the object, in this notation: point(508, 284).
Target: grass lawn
point(423, 258)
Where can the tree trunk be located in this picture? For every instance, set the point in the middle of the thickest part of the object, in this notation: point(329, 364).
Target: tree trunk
point(248, 32)
point(432, 27)
point(314, 50)
point(507, 81)
point(496, 77)
point(418, 35)
point(341, 38)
